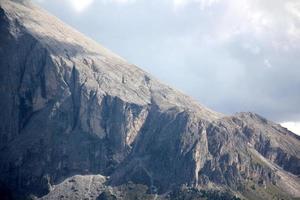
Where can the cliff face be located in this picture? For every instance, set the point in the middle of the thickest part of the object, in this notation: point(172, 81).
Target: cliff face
point(71, 107)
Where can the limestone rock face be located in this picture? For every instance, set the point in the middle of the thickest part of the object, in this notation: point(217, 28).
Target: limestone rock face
point(73, 109)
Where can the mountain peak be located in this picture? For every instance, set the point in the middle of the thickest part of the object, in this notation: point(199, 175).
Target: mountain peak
point(78, 120)
point(68, 46)
point(251, 115)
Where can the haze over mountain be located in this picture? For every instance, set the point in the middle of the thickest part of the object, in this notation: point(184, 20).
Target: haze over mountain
point(79, 122)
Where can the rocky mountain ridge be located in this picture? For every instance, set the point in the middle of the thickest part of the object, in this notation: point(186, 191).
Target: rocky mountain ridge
point(77, 116)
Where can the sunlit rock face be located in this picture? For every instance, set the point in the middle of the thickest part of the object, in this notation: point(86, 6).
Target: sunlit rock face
point(78, 121)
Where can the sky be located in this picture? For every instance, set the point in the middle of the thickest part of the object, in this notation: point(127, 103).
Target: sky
point(230, 55)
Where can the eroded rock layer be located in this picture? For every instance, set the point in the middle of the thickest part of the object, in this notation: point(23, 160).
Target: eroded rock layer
point(71, 108)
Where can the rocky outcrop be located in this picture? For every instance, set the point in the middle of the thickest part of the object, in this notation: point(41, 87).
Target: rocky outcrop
point(75, 113)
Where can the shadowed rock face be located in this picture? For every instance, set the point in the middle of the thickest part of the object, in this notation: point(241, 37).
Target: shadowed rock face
point(71, 107)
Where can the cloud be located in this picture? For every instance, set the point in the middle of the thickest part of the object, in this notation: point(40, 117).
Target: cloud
point(277, 22)
point(292, 126)
point(80, 5)
point(118, 1)
point(178, 4)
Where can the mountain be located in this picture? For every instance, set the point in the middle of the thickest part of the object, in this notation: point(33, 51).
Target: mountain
point(79, 122)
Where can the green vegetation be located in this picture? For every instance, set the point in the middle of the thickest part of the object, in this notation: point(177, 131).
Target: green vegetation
point(250, 190)
point(253, 191)
point(194, 194)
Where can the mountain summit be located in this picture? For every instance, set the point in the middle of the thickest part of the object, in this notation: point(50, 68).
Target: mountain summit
point(79, 122)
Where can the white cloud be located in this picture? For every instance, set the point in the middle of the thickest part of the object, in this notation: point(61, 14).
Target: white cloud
point(179, 3)
point(292, 126)
point(80, 5)
point(119, 1)
point(202, 3)
point(269, 21)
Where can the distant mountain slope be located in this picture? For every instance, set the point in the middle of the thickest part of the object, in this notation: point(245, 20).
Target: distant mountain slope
point(73, 109)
